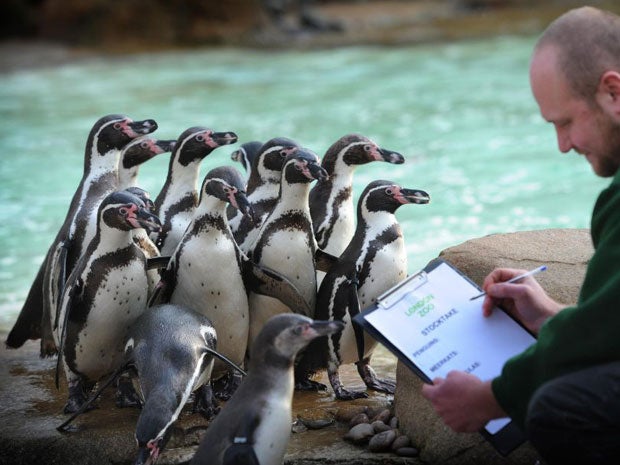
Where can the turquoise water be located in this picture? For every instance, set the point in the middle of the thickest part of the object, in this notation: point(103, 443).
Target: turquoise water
point(462, 114)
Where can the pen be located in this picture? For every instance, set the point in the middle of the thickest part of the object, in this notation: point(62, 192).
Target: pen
point(517, 278)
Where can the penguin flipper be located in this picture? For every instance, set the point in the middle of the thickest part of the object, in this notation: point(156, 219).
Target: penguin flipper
point(74, 291)
point(154, 263)
point(324, 261)
point(263, 280)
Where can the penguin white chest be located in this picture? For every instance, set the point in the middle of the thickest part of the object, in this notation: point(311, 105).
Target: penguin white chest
point(119, 300)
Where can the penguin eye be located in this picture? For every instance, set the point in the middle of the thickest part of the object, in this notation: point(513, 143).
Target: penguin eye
point(389, 191)
point(297, 330)
point(144, 144)
point(123, 211)
point(367, 148)
point(200, 137)
point(117, 126)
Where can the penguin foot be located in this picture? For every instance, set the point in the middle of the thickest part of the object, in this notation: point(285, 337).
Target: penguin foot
point(369, 377)
point(77, 398)
point(309, 385)
point(225, 387)
point(345, 394)
point(126, 395)
point(204, 402)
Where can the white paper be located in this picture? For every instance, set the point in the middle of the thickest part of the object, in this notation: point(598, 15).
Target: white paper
point(439, 329)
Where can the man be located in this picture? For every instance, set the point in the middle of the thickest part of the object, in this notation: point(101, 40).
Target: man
point(564, 391)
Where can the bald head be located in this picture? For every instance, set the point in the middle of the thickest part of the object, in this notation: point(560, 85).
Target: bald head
point(586, 42)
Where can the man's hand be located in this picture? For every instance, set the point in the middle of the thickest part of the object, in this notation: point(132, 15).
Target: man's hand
point(525, 300)
point(464, 402)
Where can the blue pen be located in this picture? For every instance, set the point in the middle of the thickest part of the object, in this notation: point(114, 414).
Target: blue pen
point(517, 278)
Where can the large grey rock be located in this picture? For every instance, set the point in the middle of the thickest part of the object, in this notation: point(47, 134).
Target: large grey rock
point(566, 253)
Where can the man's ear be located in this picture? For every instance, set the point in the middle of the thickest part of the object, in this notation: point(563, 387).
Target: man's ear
point(608, 95)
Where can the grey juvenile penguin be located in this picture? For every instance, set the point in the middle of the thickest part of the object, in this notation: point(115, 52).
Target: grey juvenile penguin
point(254, 426)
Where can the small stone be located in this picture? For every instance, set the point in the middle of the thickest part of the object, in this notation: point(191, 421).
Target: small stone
point(345, 414)
point(379, 426)
point(359, 418)
point(400, 442)
point(383, 415)
point(394, 423)
point(407, 452)
point(360, 433)
point(381, 442)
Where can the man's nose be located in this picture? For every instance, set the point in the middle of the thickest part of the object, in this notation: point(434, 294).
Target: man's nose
point(564, 142)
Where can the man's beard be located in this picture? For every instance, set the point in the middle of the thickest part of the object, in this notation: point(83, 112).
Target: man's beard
point(609, 159)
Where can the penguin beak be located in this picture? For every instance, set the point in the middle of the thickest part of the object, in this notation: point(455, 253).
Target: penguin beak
point(144, 457)
point(223, 138)
point(394, 158)
point(316, 171)
point(140, 127)
point(148, 221)
point(166, 145)
point(412, 196)
point(243, 205)
point(323, 328)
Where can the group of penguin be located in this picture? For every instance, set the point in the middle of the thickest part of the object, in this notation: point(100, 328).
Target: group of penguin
point(173, 296)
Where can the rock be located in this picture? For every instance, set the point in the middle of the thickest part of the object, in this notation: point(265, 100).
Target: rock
point(381, 442)
point(360, 434)
point(400, 442)
point(383, 415)
point(394, 423)
point(566, 252)
point(359, 418)
point(345, 414)
point(407, 452)
point(379, 426)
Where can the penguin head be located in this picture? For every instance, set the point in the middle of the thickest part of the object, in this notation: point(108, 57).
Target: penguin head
point(125, 211)
point(197, 142)
point(272, 155)
point(142, 195)
point(284, 335)
point(227, 184)
point(303, 166)
point(143, 149)
point(356, 149)
point(246, 154)
point(387, 196)
point(116, 131)
point(153, 427)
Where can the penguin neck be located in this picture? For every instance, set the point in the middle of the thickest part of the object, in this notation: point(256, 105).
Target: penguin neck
point(211, 206)
point(261, 177)
point(96, 164)
point(294, 196)
point(111, 239)
point(181, 181)
point(127, 177)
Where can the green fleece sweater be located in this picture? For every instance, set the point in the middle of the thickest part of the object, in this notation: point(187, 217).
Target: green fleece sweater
point(581, 336)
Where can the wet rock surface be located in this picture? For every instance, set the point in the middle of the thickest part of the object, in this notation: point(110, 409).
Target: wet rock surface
point(31, 409)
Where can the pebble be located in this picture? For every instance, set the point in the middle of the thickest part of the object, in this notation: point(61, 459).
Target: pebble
point(381, 433)
point(381, 442)
point(360, 434)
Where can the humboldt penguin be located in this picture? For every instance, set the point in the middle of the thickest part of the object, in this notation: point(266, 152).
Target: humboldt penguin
point(331, 200)
point(137, 152)
point(254, 426)
point(285, 242)
point(209, 273)
point(374, 261)
point(178, 197)
point(103, 296)
point(105, 140)
point(246, 154)
point(262, 189)
point(169, 348)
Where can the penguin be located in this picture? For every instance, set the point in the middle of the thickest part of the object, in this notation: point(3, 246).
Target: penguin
point(105, 140)
point(285, 242)
point(209, 273)
point(254, 426)
point(103, 296)
point(263, 187)
point(178, 197)
point(331, 200)
point(246, 154)
point(169, 348)
point(137, 152)
point(374, 261)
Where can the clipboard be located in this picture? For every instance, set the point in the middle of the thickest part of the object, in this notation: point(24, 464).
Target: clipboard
point(430, 324)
